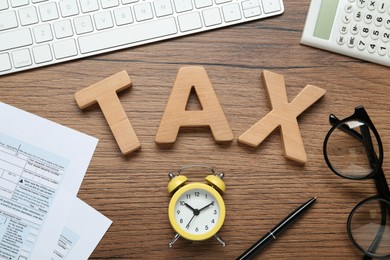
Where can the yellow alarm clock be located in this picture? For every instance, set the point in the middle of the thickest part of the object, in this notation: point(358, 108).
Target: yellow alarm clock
point(196, 210)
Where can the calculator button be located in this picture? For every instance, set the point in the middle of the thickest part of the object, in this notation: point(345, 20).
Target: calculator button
point(365, 31)
point(382, 6)
point(368, 18)
point(387, 23)
point(375, 34)
point(346, 18)
point(348, 8)
point(371, 47)
point(382, 50)
point(351, 42)
point(357, 15)
point(341, 40)
point(355, 28)
point(371, 4)
point(378, 21)
point(385, 37)
point(343, 29)
point(361, 45)
point(361, 3)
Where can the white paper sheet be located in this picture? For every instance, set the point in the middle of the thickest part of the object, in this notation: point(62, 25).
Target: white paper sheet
point(83, 230)
point(42, 165)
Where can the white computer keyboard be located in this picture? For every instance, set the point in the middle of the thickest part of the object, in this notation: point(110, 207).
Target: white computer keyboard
point(36, 33)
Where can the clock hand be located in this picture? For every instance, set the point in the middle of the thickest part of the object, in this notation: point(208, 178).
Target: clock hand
point(212, 203)
point(195, 211)
point(188, 206)
point(188, 225)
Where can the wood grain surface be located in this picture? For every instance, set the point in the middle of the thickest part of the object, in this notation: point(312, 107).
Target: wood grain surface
point(262, 185)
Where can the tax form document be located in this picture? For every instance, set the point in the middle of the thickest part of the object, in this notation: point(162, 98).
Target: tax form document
point(42, 165)
point(83, 230)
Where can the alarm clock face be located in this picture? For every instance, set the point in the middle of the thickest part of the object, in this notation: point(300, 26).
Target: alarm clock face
point(196, 211)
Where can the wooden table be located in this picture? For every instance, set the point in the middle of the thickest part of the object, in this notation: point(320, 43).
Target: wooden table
point(262, 185)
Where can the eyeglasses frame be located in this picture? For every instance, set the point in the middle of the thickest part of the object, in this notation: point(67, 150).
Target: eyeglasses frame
point(383, 192)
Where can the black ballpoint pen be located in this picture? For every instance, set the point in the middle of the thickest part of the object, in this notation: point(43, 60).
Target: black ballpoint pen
point(271, 235)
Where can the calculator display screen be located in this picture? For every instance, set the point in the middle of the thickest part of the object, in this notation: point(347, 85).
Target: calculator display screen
point(325, 19)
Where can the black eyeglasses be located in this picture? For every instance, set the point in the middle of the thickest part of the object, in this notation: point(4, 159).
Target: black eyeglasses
point(353, 150)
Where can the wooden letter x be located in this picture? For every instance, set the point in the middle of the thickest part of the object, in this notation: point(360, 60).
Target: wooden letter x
point(105, 94)
point(283, 114)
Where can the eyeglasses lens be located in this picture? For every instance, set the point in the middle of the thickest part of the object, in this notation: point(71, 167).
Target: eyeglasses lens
point(369, 227)
point(352, 150)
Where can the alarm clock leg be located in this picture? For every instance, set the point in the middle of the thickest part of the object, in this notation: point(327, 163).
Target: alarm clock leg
point(177, 236)
point(220, 239)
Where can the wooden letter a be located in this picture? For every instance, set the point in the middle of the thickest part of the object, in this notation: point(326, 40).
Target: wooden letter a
point(176, 115)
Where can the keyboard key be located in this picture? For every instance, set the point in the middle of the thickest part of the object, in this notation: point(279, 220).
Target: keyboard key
point(42, 54)
point(188, 22)
point(89, 5)
point(143, 11)
point(68, 8)
point(103, 20)
point(163, 7)
point(48, 11)
point(252, 12)
point(231, 12)
point(183, 5)
point(83, 24)
point(63, 29)
point(222, 1)
point(17, 3)
point(42, 33)
point(8, 20)
point(212, 17)
point(3, 4)
point(271, 6)
point(127, 35)
point(251, 8)
point(64, 49)
point(5, 63)
point(203, 3)
point(21, 58)
point(123, 16)
point(109, 3)
point(28, 15)
point(250, 4)
point(129, 1)
point(14, 39)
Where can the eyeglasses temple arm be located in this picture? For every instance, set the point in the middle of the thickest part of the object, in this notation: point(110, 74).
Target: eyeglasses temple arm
point(334, 120)
point(365, 139)
point(379, 235)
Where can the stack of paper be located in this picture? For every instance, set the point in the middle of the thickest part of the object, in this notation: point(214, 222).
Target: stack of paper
point(42, 165)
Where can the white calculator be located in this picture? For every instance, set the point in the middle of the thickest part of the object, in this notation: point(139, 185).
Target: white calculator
point(356, 28)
